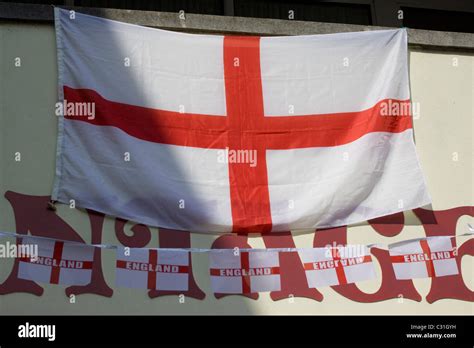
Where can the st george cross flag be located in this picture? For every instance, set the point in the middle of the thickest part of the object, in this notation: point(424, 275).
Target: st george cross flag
point(244, 272)
point(57, 262)
point(214, 133)
point(152, 269)
point(337, 266)
point(429, 257)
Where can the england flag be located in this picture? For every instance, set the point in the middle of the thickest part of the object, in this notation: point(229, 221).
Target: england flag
point(57, 262)
point(244, 272)
point(337, 266)
point(152, 269)
point(425, 258)
point(213, 133)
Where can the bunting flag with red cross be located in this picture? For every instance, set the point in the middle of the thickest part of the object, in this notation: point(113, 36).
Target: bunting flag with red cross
point(234, 272)
point(57, 262)
point(337, 265)
point(425, 258)
point(211, 133)
point(152, 269)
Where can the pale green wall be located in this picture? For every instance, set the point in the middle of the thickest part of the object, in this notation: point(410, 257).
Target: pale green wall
point(28, 126)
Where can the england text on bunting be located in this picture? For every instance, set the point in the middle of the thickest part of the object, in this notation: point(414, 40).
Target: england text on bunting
point(148, 267)
point(236, 272)
point(440, 255)
point(337, 263)
point(52, 262)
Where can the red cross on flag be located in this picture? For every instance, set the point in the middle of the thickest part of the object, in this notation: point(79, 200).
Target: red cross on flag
point(244, 272)
point(429, 257)
point(214, 133)
point(337, 266)
point(152, 269)
point(57, 262)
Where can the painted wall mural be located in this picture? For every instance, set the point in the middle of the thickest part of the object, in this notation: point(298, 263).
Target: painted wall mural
point(32, 216)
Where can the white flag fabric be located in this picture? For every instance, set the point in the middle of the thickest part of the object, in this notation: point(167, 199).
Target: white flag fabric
point(214, 133)
point(57, 262)
point(246, 272)
point(429, 257)
point(152, 269)
point(337, 266)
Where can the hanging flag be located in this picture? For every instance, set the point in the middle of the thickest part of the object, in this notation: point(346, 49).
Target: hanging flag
point(214, 133)
point(337, 266)
point(152, 269)
point(244, 272)
point(57, 262)
point(429, 257)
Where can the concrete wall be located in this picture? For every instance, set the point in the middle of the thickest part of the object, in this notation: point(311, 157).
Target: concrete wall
point(441, 83)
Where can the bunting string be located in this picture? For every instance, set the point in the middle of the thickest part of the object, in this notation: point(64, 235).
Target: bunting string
point(206, 250)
